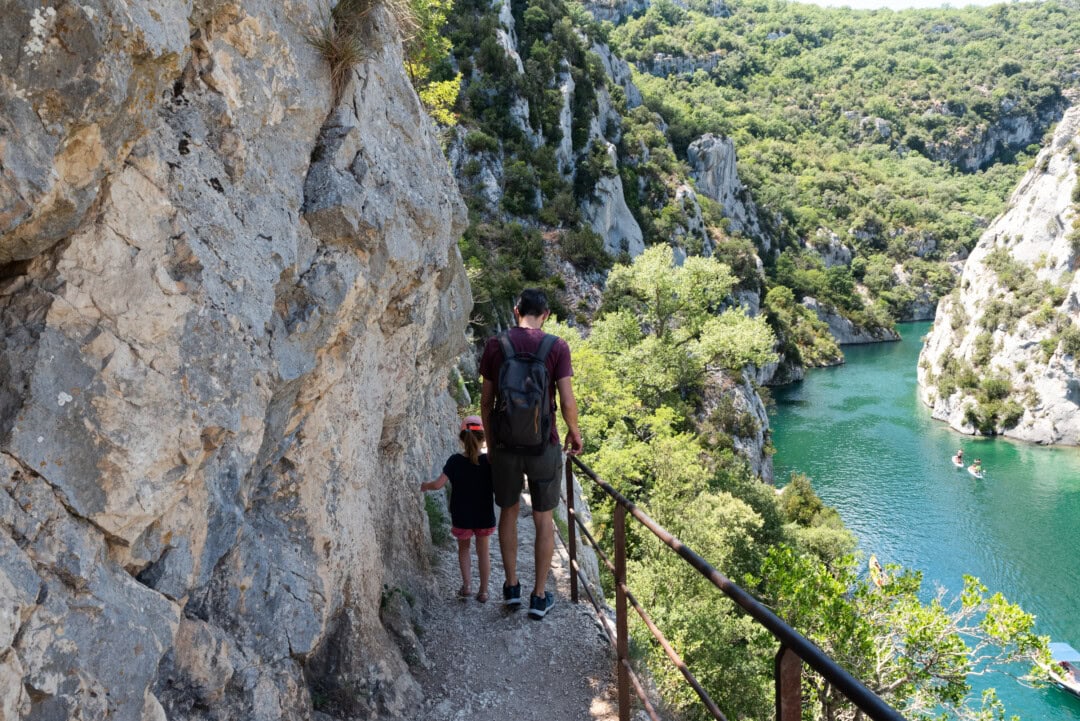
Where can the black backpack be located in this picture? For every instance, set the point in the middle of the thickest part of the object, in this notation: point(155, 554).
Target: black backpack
point(522, 419)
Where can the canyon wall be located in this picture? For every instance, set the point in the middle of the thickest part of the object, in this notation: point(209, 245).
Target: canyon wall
point(228, 309)
point(1002, 355)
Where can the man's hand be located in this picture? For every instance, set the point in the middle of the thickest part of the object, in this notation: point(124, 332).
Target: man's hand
point(573, 444)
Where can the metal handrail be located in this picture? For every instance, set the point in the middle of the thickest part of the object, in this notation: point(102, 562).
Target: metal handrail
point(794, 647)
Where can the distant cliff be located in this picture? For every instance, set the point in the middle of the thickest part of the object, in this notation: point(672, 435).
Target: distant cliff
point(1003, 354)
point(228, 308)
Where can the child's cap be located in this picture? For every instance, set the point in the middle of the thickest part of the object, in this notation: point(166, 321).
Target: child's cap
point(472, 423)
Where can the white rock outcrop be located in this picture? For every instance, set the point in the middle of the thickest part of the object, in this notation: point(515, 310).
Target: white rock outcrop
point(609, 215)
point(712, 162)
point(1020, 334)
point(618, 70)
point(228, 309)
point(664, 65)
point(564, 152)
point(694, 232)
point(732, 403)
point(843, 330)
point(830, 248)
point(975, 150)
point(615, 11)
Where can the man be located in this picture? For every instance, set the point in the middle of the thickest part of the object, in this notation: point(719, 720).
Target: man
point(544, 471)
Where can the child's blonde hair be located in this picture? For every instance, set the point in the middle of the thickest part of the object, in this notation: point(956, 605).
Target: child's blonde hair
point(472, 441)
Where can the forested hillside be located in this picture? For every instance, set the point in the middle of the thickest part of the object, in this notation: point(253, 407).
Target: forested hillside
point(897, 134)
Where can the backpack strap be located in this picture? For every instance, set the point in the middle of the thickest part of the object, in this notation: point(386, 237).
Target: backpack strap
point(545, 346)
point(507, 347)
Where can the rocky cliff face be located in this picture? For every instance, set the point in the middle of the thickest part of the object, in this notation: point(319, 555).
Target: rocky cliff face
point(712, 160)
point(228, 313)
point(732, 403)
point(844, 331)
point(1002, 355)
point(976, 149)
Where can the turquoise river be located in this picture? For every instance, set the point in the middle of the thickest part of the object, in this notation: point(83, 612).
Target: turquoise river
point(873, 452)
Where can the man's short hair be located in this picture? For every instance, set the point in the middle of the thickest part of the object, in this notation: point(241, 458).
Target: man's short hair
point(532, 301)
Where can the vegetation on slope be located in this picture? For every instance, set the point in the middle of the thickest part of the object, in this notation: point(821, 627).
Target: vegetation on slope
point(864, 123)
point(637, 377)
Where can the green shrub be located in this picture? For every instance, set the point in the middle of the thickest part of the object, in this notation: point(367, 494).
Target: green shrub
point(1012, 273)
point(984, 346)
point(1070, 341)
point(471, 168)
point(1049, 346)
point(958, 316)
point(437, 521)
point(519, 194)
point(995, 389)
point(584, 248)
point(480, 142)
point(732, 420)
point(563, 209)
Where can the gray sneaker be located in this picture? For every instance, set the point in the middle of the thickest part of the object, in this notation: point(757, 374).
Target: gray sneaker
point(512, 595)
point(538, 607)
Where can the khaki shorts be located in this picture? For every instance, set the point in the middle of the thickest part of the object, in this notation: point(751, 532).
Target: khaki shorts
point(509, 470)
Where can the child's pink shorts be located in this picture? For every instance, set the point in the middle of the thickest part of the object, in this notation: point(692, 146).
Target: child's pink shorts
point(464, 534)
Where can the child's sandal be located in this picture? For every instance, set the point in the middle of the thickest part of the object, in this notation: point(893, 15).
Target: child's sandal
point(482, 597)
point(463, 592)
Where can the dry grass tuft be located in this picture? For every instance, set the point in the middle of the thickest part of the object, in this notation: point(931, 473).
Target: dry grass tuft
point(341, 34)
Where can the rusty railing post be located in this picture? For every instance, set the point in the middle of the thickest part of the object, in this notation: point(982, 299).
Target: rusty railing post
point(788, 671)
point(621, 630)
point(571, 530)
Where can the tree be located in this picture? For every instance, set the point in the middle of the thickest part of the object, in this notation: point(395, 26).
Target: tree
point(677, 322)
point(916, 655)
point(426, 54)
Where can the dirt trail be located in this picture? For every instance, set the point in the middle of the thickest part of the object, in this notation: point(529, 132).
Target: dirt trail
point(492, 664)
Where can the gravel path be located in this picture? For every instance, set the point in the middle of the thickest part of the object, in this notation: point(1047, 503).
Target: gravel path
point(492, 664)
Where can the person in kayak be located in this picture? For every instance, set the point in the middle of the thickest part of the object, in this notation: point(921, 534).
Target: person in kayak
point(958, 459)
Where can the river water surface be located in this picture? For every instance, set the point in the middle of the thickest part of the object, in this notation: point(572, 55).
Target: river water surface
point(875, 454)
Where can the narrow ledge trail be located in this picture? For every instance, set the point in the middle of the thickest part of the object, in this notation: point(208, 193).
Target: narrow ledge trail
point(488, 663)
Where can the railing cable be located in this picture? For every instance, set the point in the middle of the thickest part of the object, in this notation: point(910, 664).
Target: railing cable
point(794, 647)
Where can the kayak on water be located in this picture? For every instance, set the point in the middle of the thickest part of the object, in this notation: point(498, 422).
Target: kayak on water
point(958, 459)
point(877, 574)
point(977, 472)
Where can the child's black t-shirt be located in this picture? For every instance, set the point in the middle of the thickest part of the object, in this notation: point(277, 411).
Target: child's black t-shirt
point(472, 495)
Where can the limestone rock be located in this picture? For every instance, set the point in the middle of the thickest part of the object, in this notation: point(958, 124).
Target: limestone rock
point(564, 153)
point(712, 162)
point(844, 331)
point(924, 306)
point(74, 86)
point(609, 215)
point(1020, 330)
point(228, 310)
point(975, 150)
point(694, 233)
point(615, 11)
point(665, 65)
point(732, 403)
point(619, 71)
point(830, 248)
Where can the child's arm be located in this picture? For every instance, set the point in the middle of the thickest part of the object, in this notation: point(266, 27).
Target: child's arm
point(434, 485)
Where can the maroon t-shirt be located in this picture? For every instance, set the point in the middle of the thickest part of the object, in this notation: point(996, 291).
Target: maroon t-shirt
point(527, 340)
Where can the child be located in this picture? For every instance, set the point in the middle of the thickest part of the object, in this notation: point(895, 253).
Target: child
point(472, 499)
